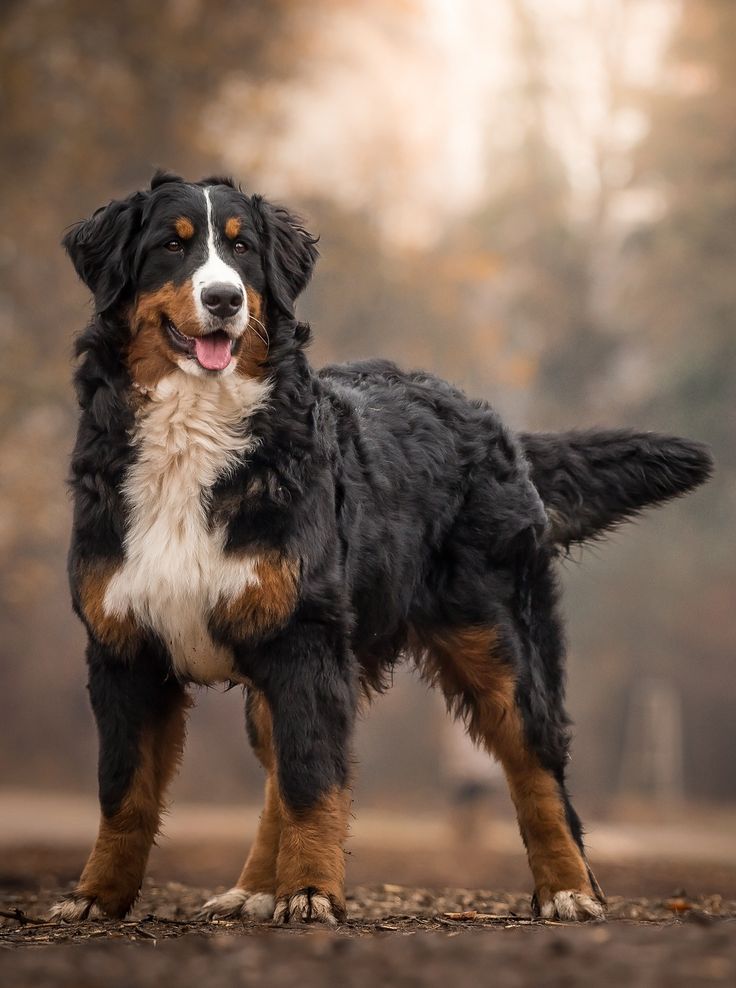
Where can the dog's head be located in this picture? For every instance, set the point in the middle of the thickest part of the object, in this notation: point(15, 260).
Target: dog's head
point(202, 274)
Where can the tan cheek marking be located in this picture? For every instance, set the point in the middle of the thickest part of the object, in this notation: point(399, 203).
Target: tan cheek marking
point(150, 356)
point(174, 301)
point(149, 359)
point(232, 227)
point(255, 303)
point(254, 348)
point(462, 663)
point(112, 631)
point(263, 607)
point(311, 851)
point(184, 228)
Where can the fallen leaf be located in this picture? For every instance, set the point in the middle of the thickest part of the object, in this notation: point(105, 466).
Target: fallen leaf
point(678, 905)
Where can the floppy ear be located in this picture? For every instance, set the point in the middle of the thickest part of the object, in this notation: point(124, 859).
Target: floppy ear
point(289, 254)
point(101, 249)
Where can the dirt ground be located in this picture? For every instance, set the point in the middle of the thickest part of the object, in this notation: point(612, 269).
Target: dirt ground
point(681, 932)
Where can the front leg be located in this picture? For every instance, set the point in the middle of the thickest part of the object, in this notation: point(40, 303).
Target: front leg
point(311, 691)
point(311, 863)
point(140, 712)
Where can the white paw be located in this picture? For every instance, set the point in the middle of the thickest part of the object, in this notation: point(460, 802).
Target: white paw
point(75, 909)
point(237, 903)
point(260, 905)
point(228, 905)
point(572, 907)
point(305, 907)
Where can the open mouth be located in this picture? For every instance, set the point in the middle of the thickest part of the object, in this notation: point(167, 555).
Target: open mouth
point(212, 352)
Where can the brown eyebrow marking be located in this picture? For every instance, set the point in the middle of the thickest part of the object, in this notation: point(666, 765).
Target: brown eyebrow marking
point(185, 228)
point(232, 227)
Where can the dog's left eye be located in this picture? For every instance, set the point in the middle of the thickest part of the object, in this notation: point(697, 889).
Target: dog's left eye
point(174, 246)
point(240, 247)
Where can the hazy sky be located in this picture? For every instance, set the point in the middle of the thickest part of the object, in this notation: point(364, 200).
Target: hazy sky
point(410, 108)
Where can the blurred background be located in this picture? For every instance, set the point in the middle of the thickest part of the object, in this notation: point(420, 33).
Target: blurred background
point(533, 198)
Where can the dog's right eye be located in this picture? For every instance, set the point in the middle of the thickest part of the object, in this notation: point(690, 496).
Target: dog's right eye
point(174, 246)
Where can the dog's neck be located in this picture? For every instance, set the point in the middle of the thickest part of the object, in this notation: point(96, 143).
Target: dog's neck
point(277, 409)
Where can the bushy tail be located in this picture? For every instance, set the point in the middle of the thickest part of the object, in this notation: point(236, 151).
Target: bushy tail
point(593, 481)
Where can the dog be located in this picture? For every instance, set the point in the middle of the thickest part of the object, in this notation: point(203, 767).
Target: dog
point(240, 517)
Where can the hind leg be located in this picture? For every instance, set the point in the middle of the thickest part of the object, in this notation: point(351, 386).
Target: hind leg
point(564, 885)
point(253, 895)
point(479, 683)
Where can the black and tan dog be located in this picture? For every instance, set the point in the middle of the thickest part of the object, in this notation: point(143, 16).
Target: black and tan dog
point(241, 517)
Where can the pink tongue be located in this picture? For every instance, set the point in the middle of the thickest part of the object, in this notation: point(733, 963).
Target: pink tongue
point(213, 351)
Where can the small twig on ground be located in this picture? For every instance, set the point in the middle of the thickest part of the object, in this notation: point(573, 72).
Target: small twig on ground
point(23, 918)
point(153, 918)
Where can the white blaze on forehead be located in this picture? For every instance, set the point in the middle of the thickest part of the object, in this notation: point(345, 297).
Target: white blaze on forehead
point(216, 271)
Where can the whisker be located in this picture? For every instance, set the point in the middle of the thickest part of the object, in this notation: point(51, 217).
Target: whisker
point(263, 338)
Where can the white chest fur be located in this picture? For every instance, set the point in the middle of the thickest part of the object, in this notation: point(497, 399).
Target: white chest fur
point(190, 432)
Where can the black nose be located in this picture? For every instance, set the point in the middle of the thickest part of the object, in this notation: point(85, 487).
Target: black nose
point(222, 300)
